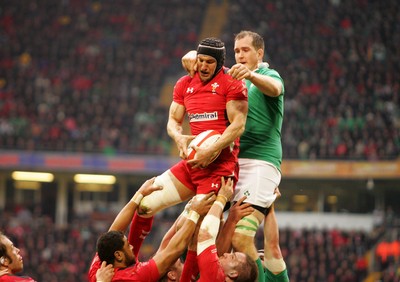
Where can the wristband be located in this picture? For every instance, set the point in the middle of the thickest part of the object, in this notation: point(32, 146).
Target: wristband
point(222, 199)
point(193, 216)
point(137, 198)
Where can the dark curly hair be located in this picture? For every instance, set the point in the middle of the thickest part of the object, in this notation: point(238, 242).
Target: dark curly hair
point(108, 243)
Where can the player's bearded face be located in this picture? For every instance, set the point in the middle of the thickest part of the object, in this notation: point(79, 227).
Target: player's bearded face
point(130, 258)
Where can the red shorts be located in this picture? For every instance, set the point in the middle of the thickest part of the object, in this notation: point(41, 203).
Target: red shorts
point(205, 180)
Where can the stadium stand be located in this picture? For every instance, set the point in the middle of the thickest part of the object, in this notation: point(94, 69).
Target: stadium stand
point(85, 76)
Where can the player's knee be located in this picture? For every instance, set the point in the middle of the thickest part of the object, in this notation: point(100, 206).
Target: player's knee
point(144, 209)
point(239, 241)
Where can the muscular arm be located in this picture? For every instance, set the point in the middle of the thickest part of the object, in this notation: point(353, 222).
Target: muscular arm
point(268, 85)
point(166, 257)
point(237, 114)
point(236, 213)
point(210, 226)
point(175, 130)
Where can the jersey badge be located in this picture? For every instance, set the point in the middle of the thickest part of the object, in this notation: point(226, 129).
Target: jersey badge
point(214, 87)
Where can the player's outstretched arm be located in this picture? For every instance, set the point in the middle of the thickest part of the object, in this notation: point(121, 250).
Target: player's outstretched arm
point(178, 243)
point(124, 217)
point(236, 213)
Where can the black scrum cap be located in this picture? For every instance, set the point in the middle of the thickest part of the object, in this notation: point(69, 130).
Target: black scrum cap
point(215, 48)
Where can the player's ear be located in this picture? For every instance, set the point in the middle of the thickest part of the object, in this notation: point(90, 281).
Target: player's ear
point(4, 261)
point(232, 275)
point(119, 256)
point(260, 53)
point(172, 275)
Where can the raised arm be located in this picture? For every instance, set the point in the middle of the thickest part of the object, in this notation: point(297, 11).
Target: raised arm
point(175, 129)
point(124, 217)
point(210, 226)
point(189, 62)
point(178, 243)
point(236, 213)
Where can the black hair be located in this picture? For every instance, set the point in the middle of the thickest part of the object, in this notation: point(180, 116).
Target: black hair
point(3, 248)
point(108, 243)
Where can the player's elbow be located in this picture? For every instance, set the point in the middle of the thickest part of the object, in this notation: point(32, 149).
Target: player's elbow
point(276, 90)
point(242, 126)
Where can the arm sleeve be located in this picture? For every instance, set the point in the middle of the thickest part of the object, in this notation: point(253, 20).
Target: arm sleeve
point(179, 89)
point(93, 269)
point(139, 229)
point(190, 268)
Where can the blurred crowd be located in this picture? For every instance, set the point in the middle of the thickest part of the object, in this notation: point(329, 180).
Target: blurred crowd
point(86, 76)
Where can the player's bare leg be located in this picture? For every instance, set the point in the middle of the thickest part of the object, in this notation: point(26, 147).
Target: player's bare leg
point(246, 228)
point(173, 192)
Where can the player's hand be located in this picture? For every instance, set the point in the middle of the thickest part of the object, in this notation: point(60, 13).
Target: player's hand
point(182, 142)
point(105, 273)
point(239, 210)
point(202, 203)
point(240, 71)
point(203, 157)
point(189, 62)
point(148, 187)
point(226, 188)
point(4, 272)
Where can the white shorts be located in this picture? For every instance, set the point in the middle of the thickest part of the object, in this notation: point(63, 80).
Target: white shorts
point(257, 180)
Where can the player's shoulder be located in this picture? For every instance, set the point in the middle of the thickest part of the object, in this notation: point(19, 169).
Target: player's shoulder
point(264, 68)
point(183, 83)
point(184, 79)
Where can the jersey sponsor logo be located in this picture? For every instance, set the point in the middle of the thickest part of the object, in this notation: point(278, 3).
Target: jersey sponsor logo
point(214, 87)
point(189, 90)
point(203, 116)
point(214, 185)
